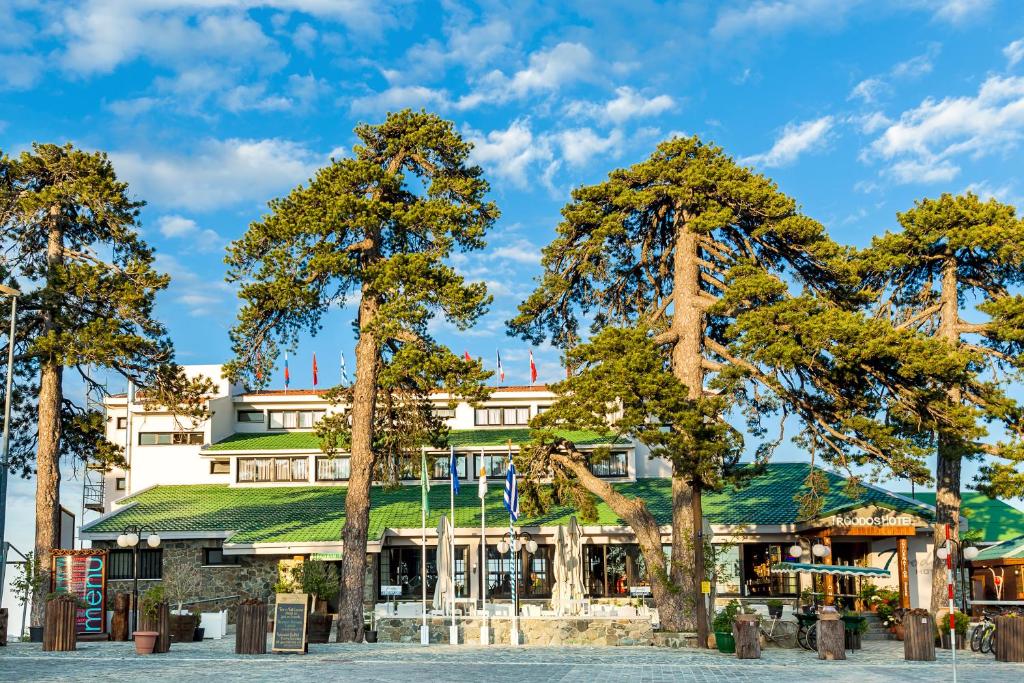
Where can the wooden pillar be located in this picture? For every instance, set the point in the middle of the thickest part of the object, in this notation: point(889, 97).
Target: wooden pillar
point(748, 636)
point(829, 581)
point(903, 562)
point(831, 637)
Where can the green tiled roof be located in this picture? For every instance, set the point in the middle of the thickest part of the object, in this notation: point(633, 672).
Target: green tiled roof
point(460, 438)
point(316, 513)
point(994, 519)
point(1012, 548)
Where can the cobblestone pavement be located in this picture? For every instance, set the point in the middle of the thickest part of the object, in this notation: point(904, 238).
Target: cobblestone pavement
point(879, 662)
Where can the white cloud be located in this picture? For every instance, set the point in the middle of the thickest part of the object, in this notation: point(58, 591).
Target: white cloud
point(796, 139)
point(580, 145)
point(510, 153)
point(548, 70)
point(299, 93)
point(179, 227)
point(520, 251)
point(928, 138)
point(916, 67)
point(219, 173)
point(203, 295)
point(1014, 53)
point(868, 90)
point(20, 71)
point(776, 16)
point(870, 123)
point(304, 36)
point(399, 97)
point(627, 104)
point(960, 11)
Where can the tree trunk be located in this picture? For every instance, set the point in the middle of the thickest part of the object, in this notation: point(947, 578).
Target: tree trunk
point(357, 498)
point(831, 639)
point(748, 637)
point(48, 448)
point(948, 458)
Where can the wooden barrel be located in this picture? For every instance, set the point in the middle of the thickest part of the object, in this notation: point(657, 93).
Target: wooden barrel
point(1009, 639)
point(161, 623)
point(120, 619)
point(748, 637)
point(251, 628)
point(918, 636)
point(59, 630)
point(831, 638)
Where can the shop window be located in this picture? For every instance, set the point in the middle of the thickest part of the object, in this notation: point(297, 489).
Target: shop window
point(273, 469)
point(403, 566)
point(294, 419)
point(250, 416)
point(496, 417)
point(215, 557)
point(758, 579)
point(535, 575)
point(494, 465)
point(220, 467)
point(615, 465)
point(170, 438)
point(150, 563)
point(119, 484)
point(122, 423)
point(332, 469)
point(610, 570)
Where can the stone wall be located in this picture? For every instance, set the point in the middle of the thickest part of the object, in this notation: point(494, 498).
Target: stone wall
point(254, 576)
point(534, 631)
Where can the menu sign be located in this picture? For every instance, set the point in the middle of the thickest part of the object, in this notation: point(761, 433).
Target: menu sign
point(83, 573)
point(290, 622)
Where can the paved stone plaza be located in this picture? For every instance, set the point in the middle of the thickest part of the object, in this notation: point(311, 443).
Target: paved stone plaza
point(879, 662)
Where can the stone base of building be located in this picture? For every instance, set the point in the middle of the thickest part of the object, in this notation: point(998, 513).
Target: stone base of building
point(533, 631)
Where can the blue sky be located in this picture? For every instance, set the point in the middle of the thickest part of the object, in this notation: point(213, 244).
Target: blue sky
point(209, 108)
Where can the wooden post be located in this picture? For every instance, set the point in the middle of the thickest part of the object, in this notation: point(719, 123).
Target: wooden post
point(1009, 639)
point(831, 636)
point(59, 630)
point(828, 580)
point(919, 636)
point(161, 623)
point(251, 628)
point(903, 566)
point(119, 620)
point(3, 626)
point(748, 636)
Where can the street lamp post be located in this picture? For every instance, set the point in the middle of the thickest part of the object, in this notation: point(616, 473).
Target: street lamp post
point(818, 550)
point(5, 445)
point(508, 544)
point(130, 538)
point(960, 554)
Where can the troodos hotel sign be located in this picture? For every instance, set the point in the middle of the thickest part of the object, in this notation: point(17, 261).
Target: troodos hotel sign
point(873, 520)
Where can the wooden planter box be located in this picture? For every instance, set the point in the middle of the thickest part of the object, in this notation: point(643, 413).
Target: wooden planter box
point(919, 638)
point(1010, 639)
point(251, 628)
point(183, 628)
point(318, 627)
point(59, 633)
point(161, 623)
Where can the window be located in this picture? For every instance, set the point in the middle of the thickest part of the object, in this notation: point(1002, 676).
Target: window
point(294, 419)
point(609, 570)
point(273, 469)
point(726, 558)
point(756, 560)
point(494, 464)
point(443, 412)
point(442, 464)
point(122, 423)
point(171, 439)
point(332, 469)
point(214, 557)
point(220, 467)
point(250, 416)
point(615, 465)
point(119, 484)
point(535, 576)
point(150, 563)
point(490, 417)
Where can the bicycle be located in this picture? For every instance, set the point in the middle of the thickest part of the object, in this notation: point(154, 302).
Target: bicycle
point(807, 632)
point(779, 632)
point(982, 635)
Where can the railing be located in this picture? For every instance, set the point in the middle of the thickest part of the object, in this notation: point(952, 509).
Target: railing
point(92, 489)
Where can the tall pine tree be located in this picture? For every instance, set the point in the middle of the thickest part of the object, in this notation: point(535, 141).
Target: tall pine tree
point(71, 245)
point(948, 274)
point(376, 229)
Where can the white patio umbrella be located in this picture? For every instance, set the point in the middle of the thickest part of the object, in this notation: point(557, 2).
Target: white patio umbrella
point(444, 554)
point(560, 589)
point(574, 565)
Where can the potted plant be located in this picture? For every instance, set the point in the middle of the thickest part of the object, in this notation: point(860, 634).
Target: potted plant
point(199, 632)
point(319, 580)
point(962, 621)
point(806, 600)
point(867, 594)
point(370, 630)
point(155, 613)
point(26, 583)
point(722, 626)
point(775, 608)
point(179, 582)
point(855, 626)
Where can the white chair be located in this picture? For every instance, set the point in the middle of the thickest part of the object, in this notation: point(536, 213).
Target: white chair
point(214, 624)
point(627, 612)
point(409, 609)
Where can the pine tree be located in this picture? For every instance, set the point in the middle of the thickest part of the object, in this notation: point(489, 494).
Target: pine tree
point(376, 228)
point(952, 251)
point(725, 285)
point(71, 245)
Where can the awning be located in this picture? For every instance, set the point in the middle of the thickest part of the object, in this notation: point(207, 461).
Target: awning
point(830, 569)
point(326, 557)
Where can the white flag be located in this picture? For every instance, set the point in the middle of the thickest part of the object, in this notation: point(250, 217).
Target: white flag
point(482, 484)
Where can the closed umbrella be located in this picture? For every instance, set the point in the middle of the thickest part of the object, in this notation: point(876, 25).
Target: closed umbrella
point(560, 588)
point(444, 553)
point(574, 565)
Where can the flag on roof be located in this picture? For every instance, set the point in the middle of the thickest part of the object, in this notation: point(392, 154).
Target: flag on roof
point(287, 377)
point(424, 483)
point(466, 354)
point(314, 370)
point(511, 491)
point(533, 369)
point(501, 370)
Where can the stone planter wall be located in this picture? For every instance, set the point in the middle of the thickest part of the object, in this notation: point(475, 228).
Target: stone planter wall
point(534, 631)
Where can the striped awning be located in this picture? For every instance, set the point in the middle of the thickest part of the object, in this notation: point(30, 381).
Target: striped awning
point(830, 569)
point(326, 557)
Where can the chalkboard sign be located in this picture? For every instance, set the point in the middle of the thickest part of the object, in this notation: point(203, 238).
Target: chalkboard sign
point(290, 622)
point(391, 591)
point(638, 591)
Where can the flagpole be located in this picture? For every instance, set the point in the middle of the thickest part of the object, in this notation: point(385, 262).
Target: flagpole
point(485, 638)
point(453, 472)
point(424, 629)
point(515, 566)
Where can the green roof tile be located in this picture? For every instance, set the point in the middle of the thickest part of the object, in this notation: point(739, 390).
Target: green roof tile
point(1012, 548)
point(993, 519)
point(460, 438)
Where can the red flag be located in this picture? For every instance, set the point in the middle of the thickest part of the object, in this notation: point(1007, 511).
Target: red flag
point(314, 370)
point(468, 359)
point(533, 369)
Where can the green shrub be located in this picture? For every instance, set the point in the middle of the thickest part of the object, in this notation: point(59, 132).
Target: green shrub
point(723, 620)
point(962, 622)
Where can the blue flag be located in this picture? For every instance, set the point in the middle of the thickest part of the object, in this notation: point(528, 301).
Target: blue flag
point(453, 471)
point(511, 492)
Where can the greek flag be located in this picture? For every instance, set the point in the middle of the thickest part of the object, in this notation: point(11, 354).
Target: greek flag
point(511, 492)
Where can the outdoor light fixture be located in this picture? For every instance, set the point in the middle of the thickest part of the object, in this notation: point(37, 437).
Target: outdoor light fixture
point(153, 541)
point(942, 552)
point(796, 550)
point(820, 550)
point(129, 538)
point(971, 552)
